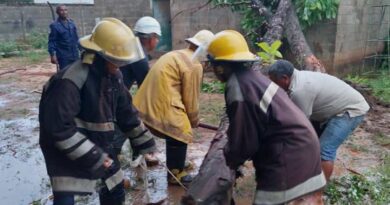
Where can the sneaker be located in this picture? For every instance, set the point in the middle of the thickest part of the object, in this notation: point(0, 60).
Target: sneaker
point(183, 176)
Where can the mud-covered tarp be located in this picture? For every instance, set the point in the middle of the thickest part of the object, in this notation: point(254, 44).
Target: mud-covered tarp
point(214, 183)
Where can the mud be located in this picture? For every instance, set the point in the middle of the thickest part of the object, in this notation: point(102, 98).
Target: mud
point(24, 179)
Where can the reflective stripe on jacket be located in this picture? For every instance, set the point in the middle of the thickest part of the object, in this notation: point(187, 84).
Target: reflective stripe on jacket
point(266, 127)
point(77, 113)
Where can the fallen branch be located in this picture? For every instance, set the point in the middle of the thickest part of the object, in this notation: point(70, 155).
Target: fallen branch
point(349, 169)
point(36, 91)
point(12, 71)
point(215, 180)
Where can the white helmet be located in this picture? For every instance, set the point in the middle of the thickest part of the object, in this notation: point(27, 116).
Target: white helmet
point(202, 38)
point(148, 25)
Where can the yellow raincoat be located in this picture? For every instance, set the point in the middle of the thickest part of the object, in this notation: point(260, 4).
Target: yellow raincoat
point(168, 99)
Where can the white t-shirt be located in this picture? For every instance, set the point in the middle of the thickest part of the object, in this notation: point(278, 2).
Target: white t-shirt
point(321, 96)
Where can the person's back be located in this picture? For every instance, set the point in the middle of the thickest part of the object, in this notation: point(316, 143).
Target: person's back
point(266, 127)
point(287, 149)
point(168, 102)
point(164, 85)
point(330, 95)
point(334, 107)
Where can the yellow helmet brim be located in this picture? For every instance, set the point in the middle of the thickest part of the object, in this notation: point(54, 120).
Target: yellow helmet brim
point(238, 57)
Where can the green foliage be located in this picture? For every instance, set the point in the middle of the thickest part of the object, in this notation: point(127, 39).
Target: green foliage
point(8, 46)
point(35, 56)
point(311, 11)
point(213, 87)
point(380, 85)
point(37, 40)
point(355, 189)
point(357, 79)
point(269, 53)
point(308, 12)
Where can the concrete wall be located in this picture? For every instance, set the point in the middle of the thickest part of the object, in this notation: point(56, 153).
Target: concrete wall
point(321, 39)
point(187, 19)
point(341, 43)
point(357, 22)
point(38, 17)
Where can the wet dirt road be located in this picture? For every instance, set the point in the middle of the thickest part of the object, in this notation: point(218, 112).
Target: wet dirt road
point(22, 169)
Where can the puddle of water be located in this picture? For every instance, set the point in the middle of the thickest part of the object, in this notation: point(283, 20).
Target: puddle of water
point(3, 102)
point(23, 172)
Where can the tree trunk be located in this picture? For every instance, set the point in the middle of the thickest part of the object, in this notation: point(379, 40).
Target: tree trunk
point(277, 22)
point(298, 43)
point(215, 180)
point(285, 20)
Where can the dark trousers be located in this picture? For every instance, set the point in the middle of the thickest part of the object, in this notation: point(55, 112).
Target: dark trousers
point(114, 197)
point(63, 199)
point(176, 153)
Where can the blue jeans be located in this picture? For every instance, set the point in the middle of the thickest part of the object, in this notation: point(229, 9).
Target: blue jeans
point(335, 133)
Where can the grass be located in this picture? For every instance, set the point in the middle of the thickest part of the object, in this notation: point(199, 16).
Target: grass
point(380, 85)
point(213, 87)
point(32, 48)
point(356, 189)
point(36, 56)
point(211, 108)
point(382, 139)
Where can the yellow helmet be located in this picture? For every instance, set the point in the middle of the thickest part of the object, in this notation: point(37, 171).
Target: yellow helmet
point(230, 45)
point(113, 40)
point(203, 37)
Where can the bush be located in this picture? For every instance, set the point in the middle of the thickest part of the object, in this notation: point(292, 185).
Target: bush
point(37, 40)
point(8, 46)
point(380, 85)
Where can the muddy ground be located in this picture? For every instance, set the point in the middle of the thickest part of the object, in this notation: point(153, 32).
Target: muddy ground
point(22, 169)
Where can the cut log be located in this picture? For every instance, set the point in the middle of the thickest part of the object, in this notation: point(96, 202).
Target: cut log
point(214, 183)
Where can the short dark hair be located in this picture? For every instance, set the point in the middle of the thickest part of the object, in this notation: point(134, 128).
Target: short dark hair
point(281, 68)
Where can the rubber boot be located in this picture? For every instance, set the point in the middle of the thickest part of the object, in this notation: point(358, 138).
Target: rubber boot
point(114, 197)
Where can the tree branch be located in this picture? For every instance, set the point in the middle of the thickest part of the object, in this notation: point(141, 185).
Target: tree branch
point(261, 9)
point(191, 10)
point(233, 4)
point(276, 23)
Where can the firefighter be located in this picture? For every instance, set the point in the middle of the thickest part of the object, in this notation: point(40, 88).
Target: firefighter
point(79, 110)
point(148, 30)
point(266, 127)
point(168, 101)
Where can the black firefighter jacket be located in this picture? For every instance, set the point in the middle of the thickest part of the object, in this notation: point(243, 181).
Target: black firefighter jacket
point(78, 112)
point(266, 127)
